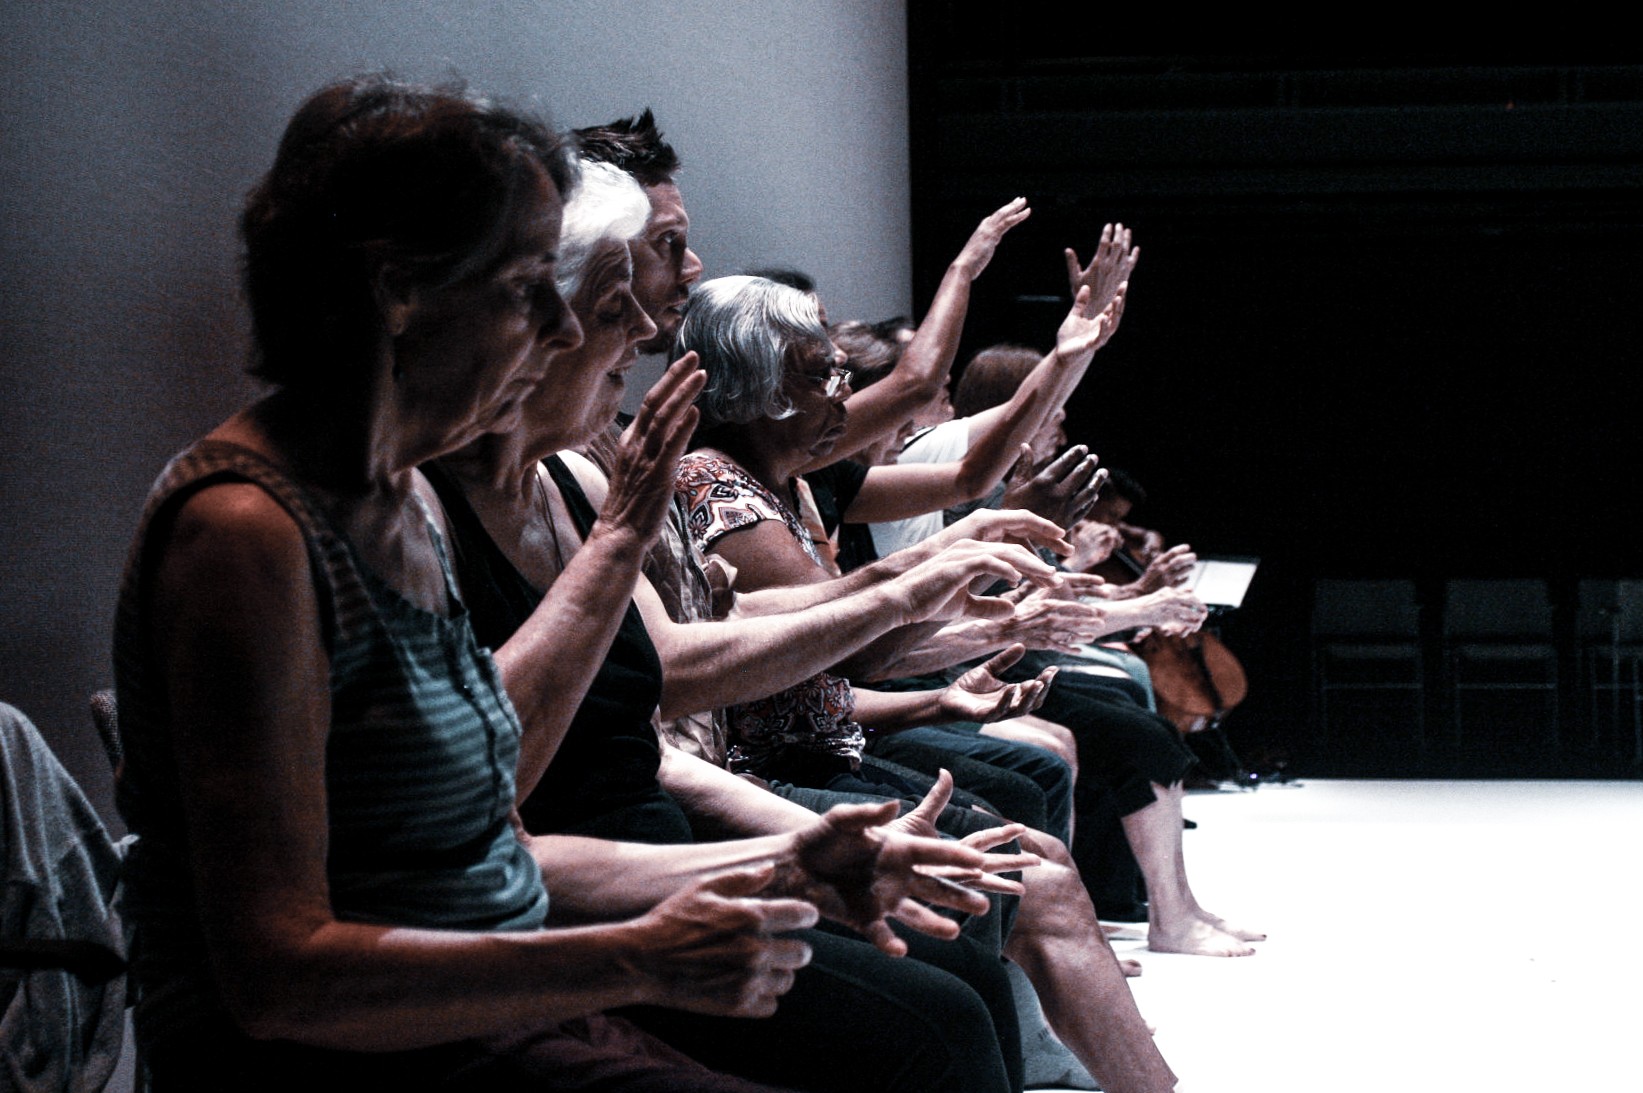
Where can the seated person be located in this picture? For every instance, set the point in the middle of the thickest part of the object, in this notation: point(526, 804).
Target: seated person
point(768, 408)
point(768, 405)
point(328, 882)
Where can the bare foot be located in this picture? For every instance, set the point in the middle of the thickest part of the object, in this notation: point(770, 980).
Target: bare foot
point(1130, 968)
point(1197, 938)
point(1239, 932)
point(1123, 931)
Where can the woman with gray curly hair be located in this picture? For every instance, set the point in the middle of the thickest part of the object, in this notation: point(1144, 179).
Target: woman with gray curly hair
point(773, 404)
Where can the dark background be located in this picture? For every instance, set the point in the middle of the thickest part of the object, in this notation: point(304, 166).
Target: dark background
point(1384, 325)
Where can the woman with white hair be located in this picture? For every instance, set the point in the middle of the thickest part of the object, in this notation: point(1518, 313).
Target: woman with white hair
point(550, 585)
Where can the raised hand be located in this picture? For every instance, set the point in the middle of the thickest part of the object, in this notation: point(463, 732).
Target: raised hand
point(979, 695)
point(1063, 491)
point(1109, 267)
point(647, 456)
point(978, 250)
point(714, 947)
point(1086, 328)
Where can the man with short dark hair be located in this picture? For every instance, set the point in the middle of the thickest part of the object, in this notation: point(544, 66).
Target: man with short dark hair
point(664, 266)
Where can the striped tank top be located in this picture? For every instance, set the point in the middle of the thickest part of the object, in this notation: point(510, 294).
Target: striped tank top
point(419, 761)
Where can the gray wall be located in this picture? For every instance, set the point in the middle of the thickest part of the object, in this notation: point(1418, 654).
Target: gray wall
point(129, 131)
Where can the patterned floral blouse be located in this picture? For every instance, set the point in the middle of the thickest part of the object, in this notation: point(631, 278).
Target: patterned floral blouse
point(814, 716)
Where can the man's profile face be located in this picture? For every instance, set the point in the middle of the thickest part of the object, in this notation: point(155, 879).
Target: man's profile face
point(664, 266)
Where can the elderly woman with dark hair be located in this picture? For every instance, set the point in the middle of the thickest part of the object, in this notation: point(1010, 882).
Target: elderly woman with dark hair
point(329, 884)
point(772, 405)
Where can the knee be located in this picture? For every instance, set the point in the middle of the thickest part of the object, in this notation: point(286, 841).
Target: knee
point(1059, 740)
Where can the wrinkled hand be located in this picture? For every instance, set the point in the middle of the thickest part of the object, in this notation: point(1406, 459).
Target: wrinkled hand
point(862, 872)
point(1093, 543)
point(647, 455)
point(1109, 267)
point(1175, 610)
point(1063, 491)
point(1171, 569)
point(712, 948)
point(979, 695)
point(978, 250)
point(1054, 619)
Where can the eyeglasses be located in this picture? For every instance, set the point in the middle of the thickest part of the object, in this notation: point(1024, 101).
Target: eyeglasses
point(836, 378)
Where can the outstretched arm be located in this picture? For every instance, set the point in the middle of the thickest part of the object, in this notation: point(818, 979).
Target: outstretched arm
point(928, 359)
point(899, 490)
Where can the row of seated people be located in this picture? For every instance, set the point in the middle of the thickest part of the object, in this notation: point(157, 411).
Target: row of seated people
point(374, 714)
point(944, 459)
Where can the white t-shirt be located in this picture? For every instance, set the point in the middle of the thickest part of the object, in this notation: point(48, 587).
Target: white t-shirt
point(946, 443)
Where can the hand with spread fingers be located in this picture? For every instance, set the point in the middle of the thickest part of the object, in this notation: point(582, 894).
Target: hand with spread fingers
point(949, 585)
point(979, 695)
point(921, 821)
point(1054, 619)
point(1171, 569)
point(1093, 543)
point(647, 456)
point(1063, 491)
point(861, 870)
point(1109, 267)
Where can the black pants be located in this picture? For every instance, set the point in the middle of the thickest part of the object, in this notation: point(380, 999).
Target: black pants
point(857, 1020)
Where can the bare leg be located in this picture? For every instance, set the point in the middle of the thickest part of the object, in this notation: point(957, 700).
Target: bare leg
point(1239, 932)
point(1035, 730)
point(1054, 738)
point(1059, 944)
point(1173, 922)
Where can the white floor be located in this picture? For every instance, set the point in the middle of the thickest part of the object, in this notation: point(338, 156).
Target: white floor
point(1424, 936)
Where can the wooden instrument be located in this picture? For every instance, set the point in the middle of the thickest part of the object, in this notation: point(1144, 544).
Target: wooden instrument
point(1196, 678)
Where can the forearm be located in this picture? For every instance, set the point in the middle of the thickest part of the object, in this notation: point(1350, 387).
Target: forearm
point(780, 599)
point(917, 377)
point(371, 988)
point(954, 643)
point(548, 665)
point(880, 659)
point(598, 879)
point(721, 663)
point(884, 712)
point(730, 803)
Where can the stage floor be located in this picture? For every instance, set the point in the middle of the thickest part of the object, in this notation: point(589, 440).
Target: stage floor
point(1480, 937)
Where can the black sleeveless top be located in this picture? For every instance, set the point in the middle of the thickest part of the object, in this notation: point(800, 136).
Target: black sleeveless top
point(602, 781)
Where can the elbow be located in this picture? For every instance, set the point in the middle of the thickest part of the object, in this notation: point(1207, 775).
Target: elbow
point(279, 995)
point(266, 1008)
